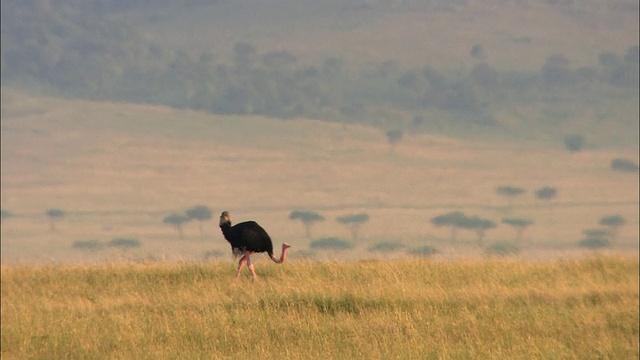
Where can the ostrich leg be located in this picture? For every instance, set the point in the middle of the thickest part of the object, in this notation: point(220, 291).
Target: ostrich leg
point(250, 266)
point(243, 259)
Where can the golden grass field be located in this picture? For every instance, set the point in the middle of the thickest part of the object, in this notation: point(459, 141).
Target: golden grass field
point(398, 309)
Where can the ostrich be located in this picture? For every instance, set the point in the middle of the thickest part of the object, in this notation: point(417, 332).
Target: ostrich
point(247, 238)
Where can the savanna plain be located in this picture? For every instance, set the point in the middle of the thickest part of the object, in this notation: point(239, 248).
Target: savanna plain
point(400, 309)
point(116, 175)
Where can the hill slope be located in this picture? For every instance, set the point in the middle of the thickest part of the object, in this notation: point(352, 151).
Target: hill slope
point(514, 34)
point(118, 169)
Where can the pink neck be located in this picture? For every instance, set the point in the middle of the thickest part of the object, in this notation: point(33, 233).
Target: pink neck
point(283, 256)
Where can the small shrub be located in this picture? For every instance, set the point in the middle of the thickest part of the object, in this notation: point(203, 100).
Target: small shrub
point(594, 243)
point(54, 213)
point(423, 251)
point(88, 245)
point(125, 243)
point(5, 214)
point(546, 193)
point(303, 254)
point(394, 136)
point(502, 249)
point(476, 51)
point(597, 233)
point(506, 190)
point(624, 165)
point(386, 246)
point(612, 220)
point(574, 142)
point(212, 254)
point(330, 243)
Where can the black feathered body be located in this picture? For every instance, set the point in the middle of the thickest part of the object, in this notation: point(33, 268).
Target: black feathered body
point(248, 236)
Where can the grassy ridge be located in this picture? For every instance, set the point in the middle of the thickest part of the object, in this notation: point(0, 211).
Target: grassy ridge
point(398, 309)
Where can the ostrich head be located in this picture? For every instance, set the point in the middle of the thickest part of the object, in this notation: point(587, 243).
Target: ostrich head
point(225, 219)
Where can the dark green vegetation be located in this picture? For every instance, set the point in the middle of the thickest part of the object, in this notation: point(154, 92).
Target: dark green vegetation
point(54, 216)
point(624, 165)
point(458, 220)
point(386, 246)
point(308, 218)
point(574, 142)
point(594, 243)
point(177, 221)
point(124, 243)
point(330, 243)
point(5, 214)
point(118, 243)
point(353, 222)
point(520, 224)
point(88, 245)
point(200, 213)
point(110, 51)
point(502, 248)
point(603, 237)
point(546, 193)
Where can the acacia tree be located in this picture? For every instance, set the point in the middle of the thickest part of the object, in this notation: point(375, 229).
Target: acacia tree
point(54, 215)
point(354, 222)
point(624, 165)
point(394, 137)
point(546, 193)
point(176, 221)
point(199, 213)
point(613, 222)
point(574, 142)
point(452, 220)
point(510, 192)
point(478, 225)
point(308, 218)
point(520, 224)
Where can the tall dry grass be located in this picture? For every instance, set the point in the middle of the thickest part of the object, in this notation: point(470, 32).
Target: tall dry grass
point(489, 309)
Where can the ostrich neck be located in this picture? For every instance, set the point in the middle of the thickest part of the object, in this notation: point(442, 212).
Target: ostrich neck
point(283, 256)
point(226, 231)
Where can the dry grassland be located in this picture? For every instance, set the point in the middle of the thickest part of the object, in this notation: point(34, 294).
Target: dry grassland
point(402, 309)
point(117, 170)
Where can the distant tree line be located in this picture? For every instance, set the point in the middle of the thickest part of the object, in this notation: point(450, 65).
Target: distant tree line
point(90, 49)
